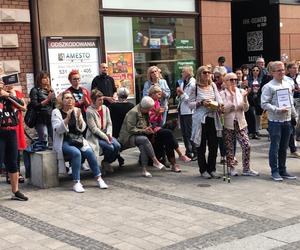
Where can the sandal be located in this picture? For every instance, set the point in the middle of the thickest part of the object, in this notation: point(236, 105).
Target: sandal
point(175, 168)
point(184, 158)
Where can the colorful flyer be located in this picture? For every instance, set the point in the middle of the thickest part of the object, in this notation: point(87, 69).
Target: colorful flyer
point(120, 67)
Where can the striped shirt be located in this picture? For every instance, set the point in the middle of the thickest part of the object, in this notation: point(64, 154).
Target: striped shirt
point(206, 94)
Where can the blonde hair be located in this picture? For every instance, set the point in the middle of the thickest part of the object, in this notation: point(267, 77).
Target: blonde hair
point(154, 89)
point(199, 73)
point(149, 72)
point(189, 69)
point(229, 75)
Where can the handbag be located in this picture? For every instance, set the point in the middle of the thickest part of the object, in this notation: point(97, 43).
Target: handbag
point(75, 140)
point(264, 120)
point(30, 116)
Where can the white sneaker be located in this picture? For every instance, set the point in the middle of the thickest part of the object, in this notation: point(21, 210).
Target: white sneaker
point(102, 184)
point(84, 167)
point(78, 188)
point(159, 166)
point(250, 172)
point(146, 174)
point(233, 172)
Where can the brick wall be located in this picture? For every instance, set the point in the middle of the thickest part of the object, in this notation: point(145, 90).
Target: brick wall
point(23, 52)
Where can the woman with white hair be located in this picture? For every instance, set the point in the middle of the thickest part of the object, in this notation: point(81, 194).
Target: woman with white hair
point(154, 78)
point(135, 132)
point(235, 125)
point(118, 110)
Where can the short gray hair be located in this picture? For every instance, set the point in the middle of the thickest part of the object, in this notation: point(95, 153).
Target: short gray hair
point(123, 92)
point(147, 102)
point(274, 65)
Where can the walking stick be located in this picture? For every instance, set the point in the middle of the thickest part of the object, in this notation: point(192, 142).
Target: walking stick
point(226, 176)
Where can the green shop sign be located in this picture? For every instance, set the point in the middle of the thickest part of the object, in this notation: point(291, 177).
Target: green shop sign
point(184, 44)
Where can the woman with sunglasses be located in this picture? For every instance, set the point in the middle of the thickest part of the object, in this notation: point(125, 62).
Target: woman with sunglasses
point(81, 95)
point(206, 101)
point(235, 125)
point(255, 111)
point(68, 126)
point(155, 78)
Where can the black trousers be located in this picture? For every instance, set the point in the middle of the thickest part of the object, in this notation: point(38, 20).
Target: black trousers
point(209, 138)
point(250, 118)
point(186, 130)
point(165, 142)
point(9, 150)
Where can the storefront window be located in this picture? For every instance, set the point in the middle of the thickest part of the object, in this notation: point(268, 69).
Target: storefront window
point(168, 43)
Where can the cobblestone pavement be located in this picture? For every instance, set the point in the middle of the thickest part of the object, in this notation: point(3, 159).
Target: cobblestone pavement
point(168, 211)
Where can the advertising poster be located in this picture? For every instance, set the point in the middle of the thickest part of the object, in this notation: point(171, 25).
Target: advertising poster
point(120, 67)
point(66, 54)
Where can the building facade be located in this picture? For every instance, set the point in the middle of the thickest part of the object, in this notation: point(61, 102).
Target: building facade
point(59, 35)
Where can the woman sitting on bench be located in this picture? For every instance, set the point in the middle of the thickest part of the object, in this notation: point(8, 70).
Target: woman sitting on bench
point(68, 126)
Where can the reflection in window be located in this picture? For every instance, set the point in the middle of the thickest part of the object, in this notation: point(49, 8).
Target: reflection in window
point(168, 43)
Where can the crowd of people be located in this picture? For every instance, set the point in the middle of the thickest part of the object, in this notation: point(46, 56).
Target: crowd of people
point(216, 109)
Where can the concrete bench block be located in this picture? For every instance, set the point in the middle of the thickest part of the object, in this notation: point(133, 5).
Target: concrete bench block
point(44, 172)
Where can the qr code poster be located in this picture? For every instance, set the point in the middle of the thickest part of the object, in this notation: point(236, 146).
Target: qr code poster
point(255, 41)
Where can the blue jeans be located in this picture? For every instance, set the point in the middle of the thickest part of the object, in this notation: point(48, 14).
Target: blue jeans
point(279, 135)
point(44, 131)
point(110, 151)
point(75, 155)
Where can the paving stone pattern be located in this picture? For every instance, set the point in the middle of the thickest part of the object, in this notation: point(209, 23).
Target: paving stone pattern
point(168, 211)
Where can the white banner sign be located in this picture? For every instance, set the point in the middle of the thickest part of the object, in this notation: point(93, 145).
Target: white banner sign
point(67, 54)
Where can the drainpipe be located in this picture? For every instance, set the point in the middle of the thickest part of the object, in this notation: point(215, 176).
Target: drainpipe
point(35, 36)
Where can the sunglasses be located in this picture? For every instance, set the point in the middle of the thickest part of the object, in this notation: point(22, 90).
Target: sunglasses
point(206, 72)
point(233, 79)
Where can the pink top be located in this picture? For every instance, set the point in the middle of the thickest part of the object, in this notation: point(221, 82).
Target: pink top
point(155, 119)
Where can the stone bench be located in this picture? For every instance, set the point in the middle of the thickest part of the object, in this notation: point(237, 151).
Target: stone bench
point(44, 172)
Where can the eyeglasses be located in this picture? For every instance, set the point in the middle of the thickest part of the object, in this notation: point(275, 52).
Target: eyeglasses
point(205, 72)
point(75, 79)
point(233, 79)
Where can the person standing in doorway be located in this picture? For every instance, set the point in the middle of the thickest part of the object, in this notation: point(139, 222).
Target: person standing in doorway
point(105, 84)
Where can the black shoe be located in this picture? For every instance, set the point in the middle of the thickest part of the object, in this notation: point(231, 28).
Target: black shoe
point(7, 178)
point(288, 176)
point(19, 196)
point(121, 161)
point(255, 137)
